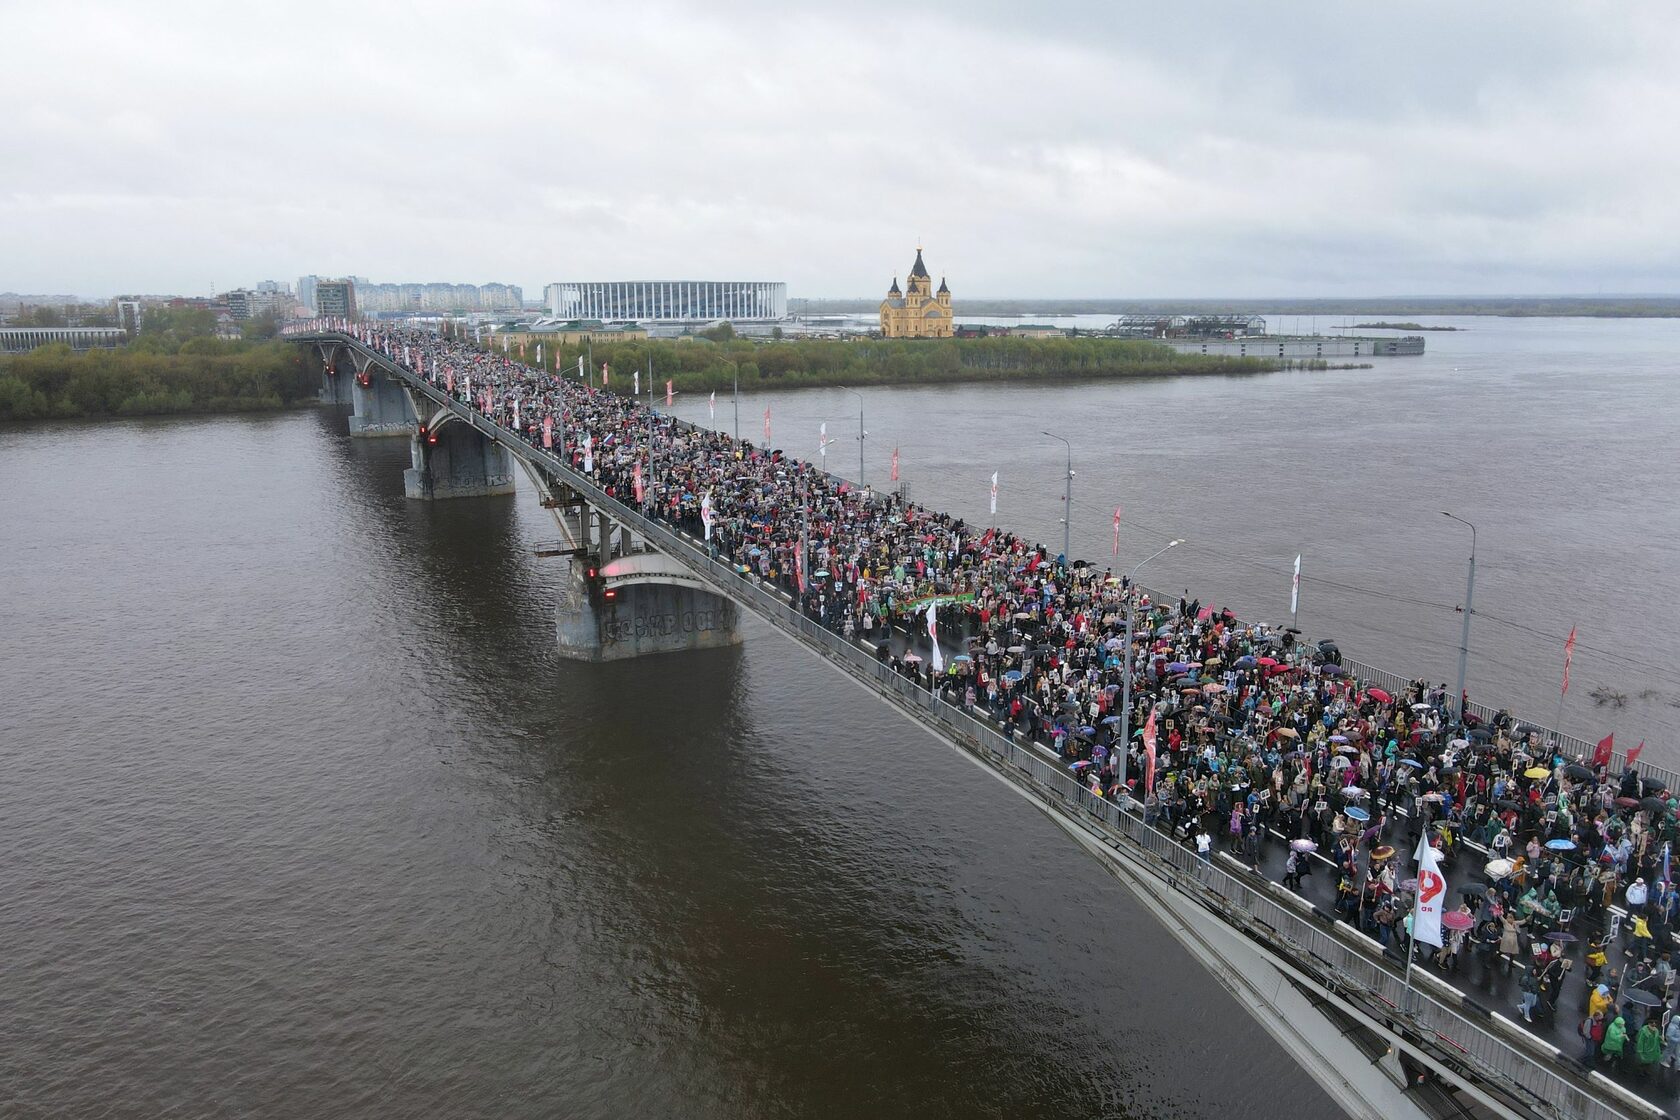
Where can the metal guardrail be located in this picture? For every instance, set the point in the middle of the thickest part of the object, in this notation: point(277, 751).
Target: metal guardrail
point(1538, 1084)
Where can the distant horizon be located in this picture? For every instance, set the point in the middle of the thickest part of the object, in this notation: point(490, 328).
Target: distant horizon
point(19, 293)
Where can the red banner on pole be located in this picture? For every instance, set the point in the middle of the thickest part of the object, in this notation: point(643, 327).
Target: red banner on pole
point(1568, 656)
point(1601, 756)
point(895, 465)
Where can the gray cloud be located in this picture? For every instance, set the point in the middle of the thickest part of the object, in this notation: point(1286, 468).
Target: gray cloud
point(1075, 149)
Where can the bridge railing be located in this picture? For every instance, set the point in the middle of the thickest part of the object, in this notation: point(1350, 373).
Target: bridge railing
point(1515, 1067)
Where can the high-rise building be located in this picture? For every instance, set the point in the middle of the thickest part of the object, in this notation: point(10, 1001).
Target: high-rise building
point(335, 297)
point(679, 301)
point(306, 292)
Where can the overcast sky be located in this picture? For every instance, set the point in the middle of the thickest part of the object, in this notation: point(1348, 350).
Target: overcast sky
point(1076, 149)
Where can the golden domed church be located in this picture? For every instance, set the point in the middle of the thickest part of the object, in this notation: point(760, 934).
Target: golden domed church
point(918, 311)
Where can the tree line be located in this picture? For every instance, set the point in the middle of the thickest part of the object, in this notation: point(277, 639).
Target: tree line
point(703, 364)
point(175, 365)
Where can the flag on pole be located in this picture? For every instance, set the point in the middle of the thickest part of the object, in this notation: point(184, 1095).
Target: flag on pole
point(1295, 585)
point(1149, 740)
point(588, 454)
point(539, 354)
point(517, 426)
point(636, 478)
point(895, 465)
point(548, 433)
point(706, 514)
point(822, 443)
point(636, 383)
point(1116, 530)
point(933, 635)
point(994, 492)
point(505, 340)
point(449, 379)
point(1568, 656)
point(766, 426)
point(603, 375)
point(1633, 755)
point(711, 406)
point(1431, 889)
point(1601, 754)
point(580, 367)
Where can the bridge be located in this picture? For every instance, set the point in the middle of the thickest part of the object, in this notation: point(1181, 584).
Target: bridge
point(1381, 1042)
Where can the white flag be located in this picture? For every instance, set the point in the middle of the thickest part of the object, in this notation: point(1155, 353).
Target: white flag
point(706, 513)
point(933, 633)
point(1295, 585)
point(994, 491)
point(636, 384)
point(822, 442)
point(580, 367)
point(516, 426)
point(588, 454)
point(1431, 890)
point(539, 354)
point(711, 405)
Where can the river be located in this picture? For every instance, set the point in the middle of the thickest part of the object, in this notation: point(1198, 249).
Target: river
point(305, 816)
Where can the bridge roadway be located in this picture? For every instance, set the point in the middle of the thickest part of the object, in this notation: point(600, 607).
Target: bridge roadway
point(1497, 1067)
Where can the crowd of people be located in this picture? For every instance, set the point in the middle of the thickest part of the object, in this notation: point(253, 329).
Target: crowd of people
point(1243, 738)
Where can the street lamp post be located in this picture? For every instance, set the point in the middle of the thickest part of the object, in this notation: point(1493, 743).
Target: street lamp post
point(1126, 671)
point(1464, 637)
point(861, 432)
point(736, 395)
point(1067, 504)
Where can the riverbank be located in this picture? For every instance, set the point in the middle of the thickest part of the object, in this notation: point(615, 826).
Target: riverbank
point(199, 375)
point(703, 366)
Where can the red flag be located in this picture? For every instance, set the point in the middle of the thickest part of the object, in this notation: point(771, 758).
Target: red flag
point(1601, 756)
point(1568, 656)
point(1148, 752)
point(668, 394)
point(1116, 530)
point(548, 433)
point(895, 465)
point(640, 491)
point(1633, 755)
point(603, 375)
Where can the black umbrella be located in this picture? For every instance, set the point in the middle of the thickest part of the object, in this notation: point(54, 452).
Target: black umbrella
point(1480, 733)
point(1642, 997)
point(1654, 805)
point(1653, 785)
point(1578, 772)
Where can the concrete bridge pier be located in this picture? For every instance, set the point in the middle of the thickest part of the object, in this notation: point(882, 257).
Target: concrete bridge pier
point(336, 369)
point(456, 460)
point(381, 404)
point(640, 604)
point(617, 598)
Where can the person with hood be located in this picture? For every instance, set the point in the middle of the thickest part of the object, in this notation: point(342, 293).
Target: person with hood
point(1648, 1045)
point(1615, 1039)
point(1671, 1042)
point(1599, 1002)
